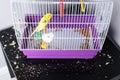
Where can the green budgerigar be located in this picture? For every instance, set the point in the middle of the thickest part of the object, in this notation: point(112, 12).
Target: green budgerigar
point(43, 23)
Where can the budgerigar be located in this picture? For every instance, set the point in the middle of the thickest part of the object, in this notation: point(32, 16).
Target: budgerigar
point(43, 23)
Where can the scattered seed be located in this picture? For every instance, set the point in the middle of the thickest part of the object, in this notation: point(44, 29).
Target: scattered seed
point(105, 76)
point(15, 63)
point(13, 43)
point(99, 65)
point(17, 67)
point(2, 36)
point(5, 45)
point(107, 63)
point(17, 56)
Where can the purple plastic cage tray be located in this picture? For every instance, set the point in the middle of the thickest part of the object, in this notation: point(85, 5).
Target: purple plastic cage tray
point(83, 54)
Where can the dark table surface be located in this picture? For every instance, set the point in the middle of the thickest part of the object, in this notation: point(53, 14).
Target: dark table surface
point(105, 66)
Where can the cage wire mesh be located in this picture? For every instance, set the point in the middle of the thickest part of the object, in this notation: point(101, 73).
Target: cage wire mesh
point(75, 30)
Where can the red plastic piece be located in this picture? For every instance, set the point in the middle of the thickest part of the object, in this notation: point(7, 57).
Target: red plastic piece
point(61, 8)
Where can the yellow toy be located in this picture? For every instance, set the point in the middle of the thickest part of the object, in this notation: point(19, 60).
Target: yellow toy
point(82, 6)
point(43, 45)
point(43, 23)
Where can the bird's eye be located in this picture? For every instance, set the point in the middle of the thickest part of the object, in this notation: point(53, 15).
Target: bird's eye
point(44, 20)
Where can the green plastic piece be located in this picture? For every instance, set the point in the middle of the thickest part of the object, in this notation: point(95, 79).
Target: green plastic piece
point(38, 35)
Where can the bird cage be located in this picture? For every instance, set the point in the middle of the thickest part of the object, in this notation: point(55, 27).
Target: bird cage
point(61, 28)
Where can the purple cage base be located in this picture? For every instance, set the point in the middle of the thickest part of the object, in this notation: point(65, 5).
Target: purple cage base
point(83, 54)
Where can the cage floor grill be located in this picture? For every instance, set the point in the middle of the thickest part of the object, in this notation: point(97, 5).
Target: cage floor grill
point(74, 29)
